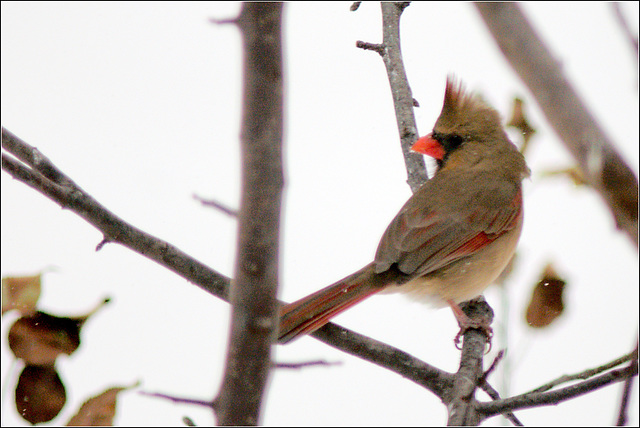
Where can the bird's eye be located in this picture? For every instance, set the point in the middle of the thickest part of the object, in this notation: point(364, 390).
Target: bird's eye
point(452, 142)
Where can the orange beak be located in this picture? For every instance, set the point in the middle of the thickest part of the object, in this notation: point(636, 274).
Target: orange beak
point(427, 145)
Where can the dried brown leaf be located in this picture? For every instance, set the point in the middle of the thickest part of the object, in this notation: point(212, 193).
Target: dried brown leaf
point(546, 301)
point(21, 293)
point(40, 394)
point(99, 410)
point(40, 338)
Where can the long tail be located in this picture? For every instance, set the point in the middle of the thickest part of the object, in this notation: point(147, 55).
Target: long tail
point(312, 312)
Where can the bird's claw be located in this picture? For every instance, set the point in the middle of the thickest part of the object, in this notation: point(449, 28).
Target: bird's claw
point(478, 324)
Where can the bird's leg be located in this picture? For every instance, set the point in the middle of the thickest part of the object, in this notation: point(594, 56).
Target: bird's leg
point(479, 322)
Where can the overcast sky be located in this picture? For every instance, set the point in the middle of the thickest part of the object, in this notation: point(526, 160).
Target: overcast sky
point(139, 103)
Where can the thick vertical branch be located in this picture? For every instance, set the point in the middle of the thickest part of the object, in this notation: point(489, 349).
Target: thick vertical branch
point(460, 400)
point(601, 164)
point(253, 292)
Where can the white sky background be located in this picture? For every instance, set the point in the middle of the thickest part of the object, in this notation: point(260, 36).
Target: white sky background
point(139, 104)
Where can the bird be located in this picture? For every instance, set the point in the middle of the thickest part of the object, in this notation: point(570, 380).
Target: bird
point(453, 236)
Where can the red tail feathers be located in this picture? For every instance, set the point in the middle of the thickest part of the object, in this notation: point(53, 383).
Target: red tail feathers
point(312, 312)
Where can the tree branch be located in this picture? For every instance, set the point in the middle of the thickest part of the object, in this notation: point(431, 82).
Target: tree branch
point(625, 28)
point(491, 392)
point(537, 399)
point(602, 165)
point(47, 179)
point(460, 400)
point(626, 391)
point(403, 102)
point(217, 205)
point(386, 356)
point(254, 317)
point(633, 355)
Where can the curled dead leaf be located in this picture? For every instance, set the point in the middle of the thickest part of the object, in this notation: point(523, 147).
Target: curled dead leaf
point(546, 300)
point(39, 339)
point(99, 410)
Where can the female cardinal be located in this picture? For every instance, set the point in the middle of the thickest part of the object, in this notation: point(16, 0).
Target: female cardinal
point(453, 237)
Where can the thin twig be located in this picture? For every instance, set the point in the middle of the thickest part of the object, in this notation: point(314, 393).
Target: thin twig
point(493, 366)
point(178, 400)
point(491, 392)
point(217, 205)
point(586, 374)
point(494, 395)
point(298, 366)
point(529, 400)
point(376, 47)
point(225, 21)
point(626, 29)
point(626, 391)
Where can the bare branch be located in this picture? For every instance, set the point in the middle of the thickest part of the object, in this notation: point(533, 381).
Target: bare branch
point(529, 400)
point(383, 355)
point(400, 90)
point(217, 205)
point(491, 392)
point(626, 391)
point(460, 400)
point(254, 317)
point(298, 366)
point(493, 366)
point(376, 47)
point(586, 374)
point(179, 400)
point(601, 164)
point(51, 182)
point(624, 26)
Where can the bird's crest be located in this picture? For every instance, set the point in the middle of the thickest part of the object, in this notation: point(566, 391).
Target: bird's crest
point(465, 113)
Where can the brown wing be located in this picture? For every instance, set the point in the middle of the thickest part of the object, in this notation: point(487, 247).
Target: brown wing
point(450, 217)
